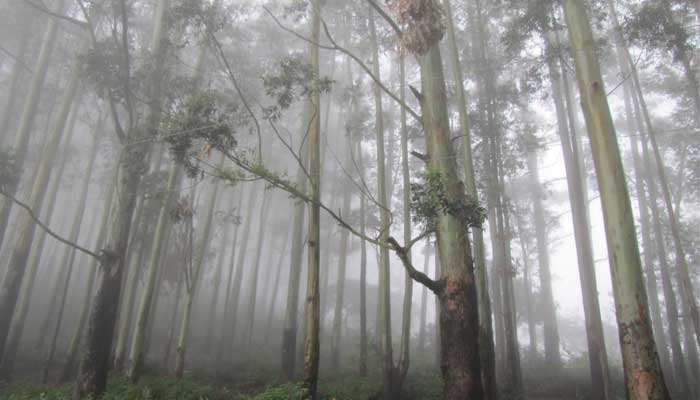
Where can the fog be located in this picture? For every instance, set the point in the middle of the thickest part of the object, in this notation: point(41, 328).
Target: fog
point(408, 199)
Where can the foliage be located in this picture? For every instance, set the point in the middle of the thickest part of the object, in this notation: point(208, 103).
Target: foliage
point(655, 26)
point(430, 200)
point(148, 389)
point(293, 78)
point(201, 122)
point(283, 392)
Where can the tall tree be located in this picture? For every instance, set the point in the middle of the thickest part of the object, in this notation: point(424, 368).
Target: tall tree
point(312, 306)
point(643, 376)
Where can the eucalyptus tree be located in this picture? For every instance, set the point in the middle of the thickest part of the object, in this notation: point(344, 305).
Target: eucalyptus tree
point(485, 320)
point(312, 306)
point(25, 297)
point(20, 144)
point(17, 264)
point(643, 376)
point(289, 332)
point(255, 272)
point(132, 163)
point(193, 276)
point(647, 127)
point(69, 255)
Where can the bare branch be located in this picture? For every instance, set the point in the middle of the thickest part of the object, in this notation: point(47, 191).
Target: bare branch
point(45, 10)
point(17, 59)
point(48, 230)
point(224, 59)
point(402, 252)
point(386, 17)
point(336, 46)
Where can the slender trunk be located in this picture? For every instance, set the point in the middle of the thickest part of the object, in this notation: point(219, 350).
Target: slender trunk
point(163, 226)
point(289, 332)
point(363, 268)
point(13, 94)
point(643, 376)
point(211, 319)
point(513, 374)
point(173, 321)
point(22, 136)
point(71, 361)
point(597, 354)
point(193, 279)
point(17, 332)
point(340, 281)
point(551, 331)
point(224, 344)
point(649, 251)
point(255, 272)
point(390, 384)
point(312, 306)
point(16, 268)
point(276, 286)
point(402, 367)
point(679, 376)
point(240, 268)
point(527, 282)
point(69, 255)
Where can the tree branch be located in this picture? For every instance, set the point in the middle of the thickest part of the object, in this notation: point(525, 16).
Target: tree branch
point(48, 230)
point(386, 17)
point(44, 9)
point(402, 252)
point(334, 46)
point(17, 59)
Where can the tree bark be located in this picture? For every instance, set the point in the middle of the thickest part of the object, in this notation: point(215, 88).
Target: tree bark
point(17, 265)
point(597, 354)
point(23, 134)
point(163, 226)
point(289, 333)
point(643, 376)
point(312, 306)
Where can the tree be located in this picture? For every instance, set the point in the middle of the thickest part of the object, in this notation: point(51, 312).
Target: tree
point(643, 376)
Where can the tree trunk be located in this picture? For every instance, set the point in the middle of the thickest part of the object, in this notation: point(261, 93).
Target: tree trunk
point(362, 367)
point(340, 281)
point(213, 304)
point(22, 136)
point(68, 370)
point(276, 286)
point(643, 206)
point(13, 95)
point(17, 332)
point(69, 255)
point(255, 271)
point(240, 268)
point(312, 306)
point(597, 354)
point(17, 265)
point(487, 352)
point(390, 384)
point(194, 276)
point(163, 226)
point(289, 333)
point(643, 376)
point(459, 317)
point(224, 343)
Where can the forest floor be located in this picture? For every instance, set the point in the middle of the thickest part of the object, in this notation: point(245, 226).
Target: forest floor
point(419, 385)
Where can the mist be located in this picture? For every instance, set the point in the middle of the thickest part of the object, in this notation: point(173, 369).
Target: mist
point(323, 199)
